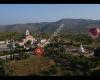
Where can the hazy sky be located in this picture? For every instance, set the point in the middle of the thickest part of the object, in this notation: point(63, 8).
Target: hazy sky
point(28, 13)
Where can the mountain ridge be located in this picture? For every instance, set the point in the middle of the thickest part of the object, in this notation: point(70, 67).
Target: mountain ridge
point(70, 25)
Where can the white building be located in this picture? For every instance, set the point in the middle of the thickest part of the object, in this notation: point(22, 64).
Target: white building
point(81, 49)
point(27, 37)
point(43, 41)
point(4, 45)
point(4, 42)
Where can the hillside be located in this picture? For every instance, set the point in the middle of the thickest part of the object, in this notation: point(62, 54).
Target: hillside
point(71, 25)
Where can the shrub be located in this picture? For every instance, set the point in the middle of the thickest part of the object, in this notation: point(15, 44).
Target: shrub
point(30, 66)
point(97, 52)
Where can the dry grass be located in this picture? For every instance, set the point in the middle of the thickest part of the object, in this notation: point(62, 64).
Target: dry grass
point(31, 66)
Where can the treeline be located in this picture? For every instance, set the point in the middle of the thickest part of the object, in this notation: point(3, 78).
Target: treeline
point(61, 63)
point(9, 35)
point(84, 38)
point(56, 61)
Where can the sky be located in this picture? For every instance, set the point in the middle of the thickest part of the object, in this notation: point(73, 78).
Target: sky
point(31, 13)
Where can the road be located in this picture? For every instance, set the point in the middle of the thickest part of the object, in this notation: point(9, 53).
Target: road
point(8, 56)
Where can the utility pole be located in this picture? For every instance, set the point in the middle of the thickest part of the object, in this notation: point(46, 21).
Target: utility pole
point(13, 46)
point(12, 49)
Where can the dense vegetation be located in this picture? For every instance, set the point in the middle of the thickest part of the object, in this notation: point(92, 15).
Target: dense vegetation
point(56, 61)
point(9, 35)
point(59, 64)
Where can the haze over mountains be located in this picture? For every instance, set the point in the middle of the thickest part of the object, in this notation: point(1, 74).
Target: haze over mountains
point(70, 25)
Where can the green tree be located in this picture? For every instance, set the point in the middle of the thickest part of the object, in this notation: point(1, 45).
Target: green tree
point(2, 69)
point(97, 52)
point(28, 43)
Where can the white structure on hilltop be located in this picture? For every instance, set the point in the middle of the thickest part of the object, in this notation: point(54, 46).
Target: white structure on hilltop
point(81, 48)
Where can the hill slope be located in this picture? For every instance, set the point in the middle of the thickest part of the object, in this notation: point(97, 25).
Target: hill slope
point(70, 25)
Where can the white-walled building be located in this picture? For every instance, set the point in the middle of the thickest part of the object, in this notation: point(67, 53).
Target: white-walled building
point(43, 41)
point(26, 38)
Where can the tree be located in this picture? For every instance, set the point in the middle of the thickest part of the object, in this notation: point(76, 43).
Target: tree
point(83, 38)
point(97, 52)
point(53, 70)
point(54, 49)
point(28, 42)
point(2, 69)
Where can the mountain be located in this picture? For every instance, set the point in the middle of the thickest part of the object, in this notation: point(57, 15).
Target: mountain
point(70, 25)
